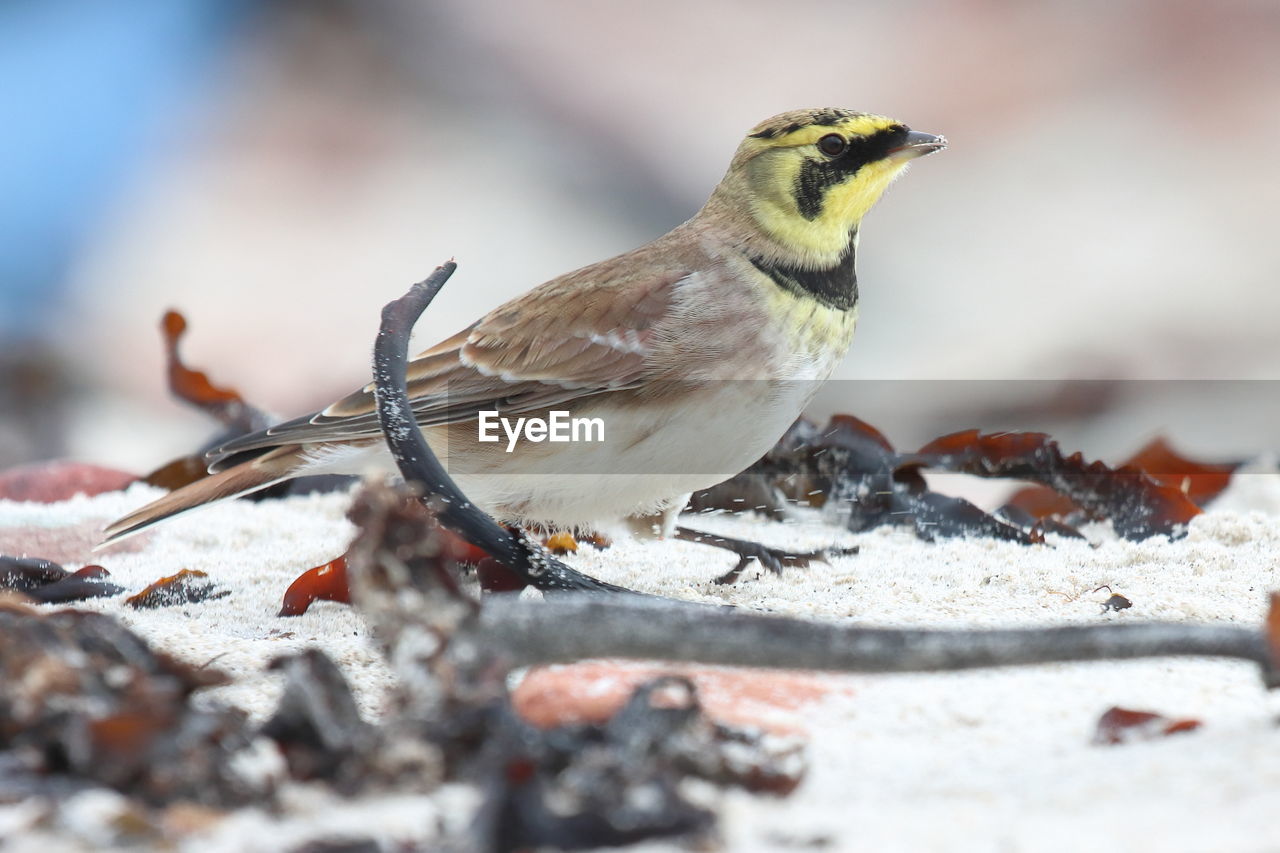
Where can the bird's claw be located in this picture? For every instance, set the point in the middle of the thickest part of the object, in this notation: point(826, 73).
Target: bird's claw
point(775, 559)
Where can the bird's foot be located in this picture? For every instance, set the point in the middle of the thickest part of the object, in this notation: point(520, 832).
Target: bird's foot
point(597, 540)
point(560, 543)
point(773, 559)
point(566, 543)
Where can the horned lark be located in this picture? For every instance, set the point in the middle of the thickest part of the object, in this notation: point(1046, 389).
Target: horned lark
point(688, 357)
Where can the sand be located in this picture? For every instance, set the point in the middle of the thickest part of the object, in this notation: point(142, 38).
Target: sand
point(983, 760)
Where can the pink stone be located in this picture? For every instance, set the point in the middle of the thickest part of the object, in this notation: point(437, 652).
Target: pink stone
point(593, 691)
point(69, 544)
point(50, 482)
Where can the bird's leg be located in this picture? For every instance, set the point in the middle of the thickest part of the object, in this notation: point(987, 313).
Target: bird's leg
point(773, 559)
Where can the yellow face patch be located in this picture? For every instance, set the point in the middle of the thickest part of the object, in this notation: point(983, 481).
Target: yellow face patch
point(811, 200)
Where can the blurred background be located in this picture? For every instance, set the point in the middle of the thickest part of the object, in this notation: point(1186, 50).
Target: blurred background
point(279, 170)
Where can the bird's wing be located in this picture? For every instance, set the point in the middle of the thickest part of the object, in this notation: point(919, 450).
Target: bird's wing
point(564, 340)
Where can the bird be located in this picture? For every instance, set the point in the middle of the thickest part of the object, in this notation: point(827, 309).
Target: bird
point(692, 354)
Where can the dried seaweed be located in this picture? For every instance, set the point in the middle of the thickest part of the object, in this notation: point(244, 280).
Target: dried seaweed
point(495, 577)
point(83, 697)
point(194, 386)
point(48, 583)
point(571, 787)
point(1201, 482)
point(617, 783)
point(318, 727)
point(1121, 725)
point(188, 586)
point(225, 405)
point(1136, 504)
point(24, 573)
point(451, 716)
point(850, 468)
point(580, 787)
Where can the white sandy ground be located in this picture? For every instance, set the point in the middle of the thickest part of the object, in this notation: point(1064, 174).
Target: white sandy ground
point(983, 760)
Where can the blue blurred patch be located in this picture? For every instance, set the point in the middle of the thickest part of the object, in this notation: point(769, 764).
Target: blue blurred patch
point(86, 90)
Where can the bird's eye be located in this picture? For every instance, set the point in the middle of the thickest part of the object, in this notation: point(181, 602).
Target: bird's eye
point(833, 144)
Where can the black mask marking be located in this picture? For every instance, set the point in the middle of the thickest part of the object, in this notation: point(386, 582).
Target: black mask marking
point(821, 118)
point(819, 174)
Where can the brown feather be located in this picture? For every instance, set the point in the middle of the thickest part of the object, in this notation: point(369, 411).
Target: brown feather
point(579, 335)
point(280, 464)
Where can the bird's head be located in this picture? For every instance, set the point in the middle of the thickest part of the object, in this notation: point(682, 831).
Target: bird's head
point(808, 177)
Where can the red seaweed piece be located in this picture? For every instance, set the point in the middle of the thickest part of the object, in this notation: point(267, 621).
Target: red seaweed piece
point(1041, 502)
point(182, 471)
point(1199, 481)
point(194, 386)
point(1121, 725)
point(188, 586)
point(460, 550)
point(851, 425)
point(91, 572)
point(237, 416)
point(327, 582)
point(561, 543)
point(1137, 505)
point(495, 577)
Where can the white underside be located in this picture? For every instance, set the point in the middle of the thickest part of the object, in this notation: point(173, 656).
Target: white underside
point(650, 461)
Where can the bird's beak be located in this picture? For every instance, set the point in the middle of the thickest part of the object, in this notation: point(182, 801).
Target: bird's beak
point(918, 145)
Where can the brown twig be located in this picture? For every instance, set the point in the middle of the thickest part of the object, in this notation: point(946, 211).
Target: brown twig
point(657, 629)
point(420, 467)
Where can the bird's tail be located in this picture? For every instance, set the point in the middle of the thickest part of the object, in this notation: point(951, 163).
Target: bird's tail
point(282, 463)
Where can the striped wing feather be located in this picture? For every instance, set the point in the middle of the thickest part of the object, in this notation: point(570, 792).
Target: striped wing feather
point(565, 340)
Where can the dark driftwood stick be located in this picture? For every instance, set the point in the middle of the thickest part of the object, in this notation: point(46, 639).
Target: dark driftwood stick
point(574, 626)
point(627, 627)
point(420, 467)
